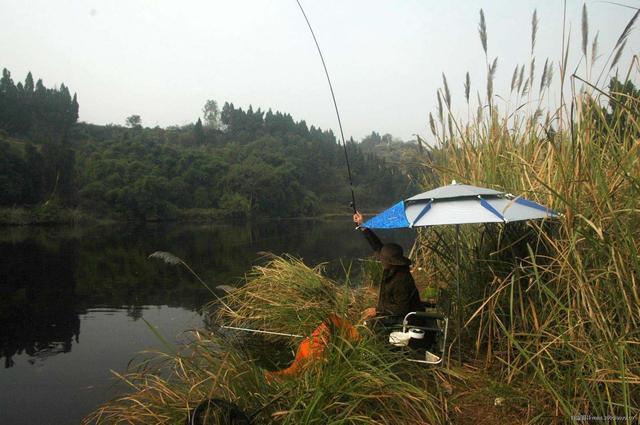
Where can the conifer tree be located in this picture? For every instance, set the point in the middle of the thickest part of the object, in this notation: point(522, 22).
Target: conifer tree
point(198, 132)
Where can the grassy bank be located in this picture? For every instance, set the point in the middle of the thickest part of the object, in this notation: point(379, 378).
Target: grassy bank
point(44, 214)
point(357, 382)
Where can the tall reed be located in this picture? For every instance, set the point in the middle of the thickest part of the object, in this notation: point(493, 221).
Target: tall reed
point(555, 304)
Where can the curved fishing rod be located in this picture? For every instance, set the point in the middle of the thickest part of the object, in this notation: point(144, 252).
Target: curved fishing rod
point(335, 104)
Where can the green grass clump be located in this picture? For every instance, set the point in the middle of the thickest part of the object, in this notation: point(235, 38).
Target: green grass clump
point(165, 388)
point(365, 383)
point(362, 382)
point(288, 296)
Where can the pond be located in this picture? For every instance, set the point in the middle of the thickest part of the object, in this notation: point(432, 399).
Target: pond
point(72, 299)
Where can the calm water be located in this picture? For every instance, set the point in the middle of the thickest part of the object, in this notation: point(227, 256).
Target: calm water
point(71, 299)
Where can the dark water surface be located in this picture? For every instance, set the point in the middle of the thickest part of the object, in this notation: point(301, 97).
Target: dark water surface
point(72, 299)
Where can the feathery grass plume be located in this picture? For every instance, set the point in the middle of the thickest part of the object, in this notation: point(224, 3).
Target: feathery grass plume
point(490, 78)
point(549, 74)
point(440, 109)
point(534, 29)
point(585, 30)
point(482, 29)
point(447, 94)
point(543, 79)
point(536, 115)
point(594, 49)
point(627, 29)
point(467, 87)
point(525, 88)
point(514, 79)
point(479, 112)
point(167, 257)
point(432, 124)
point(547, 121)
point(616, 58)
point(173, 260)
point(619, 43)
point(520, 78)
point(622, 40)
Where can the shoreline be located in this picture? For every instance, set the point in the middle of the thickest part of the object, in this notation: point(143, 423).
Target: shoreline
point(52, 215)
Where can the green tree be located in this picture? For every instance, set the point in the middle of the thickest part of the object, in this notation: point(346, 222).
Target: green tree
point(34, 180)
point(198, 133)
point(134, 121)
point(28, 83)
point(211, 114)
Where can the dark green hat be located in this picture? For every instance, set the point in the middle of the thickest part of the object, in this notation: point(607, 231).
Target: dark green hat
point(392, 253)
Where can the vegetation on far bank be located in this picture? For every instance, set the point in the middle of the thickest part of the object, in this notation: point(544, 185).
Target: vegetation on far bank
point(238, 163)
point(52, 214)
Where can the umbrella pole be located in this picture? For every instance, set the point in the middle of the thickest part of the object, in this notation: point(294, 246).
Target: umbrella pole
point(458, 293)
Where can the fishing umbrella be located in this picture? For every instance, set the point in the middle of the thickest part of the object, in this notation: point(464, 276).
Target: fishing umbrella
point(458, 204)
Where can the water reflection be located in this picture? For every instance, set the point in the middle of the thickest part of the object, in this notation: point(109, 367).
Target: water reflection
point(37, 299)
point(50, 276)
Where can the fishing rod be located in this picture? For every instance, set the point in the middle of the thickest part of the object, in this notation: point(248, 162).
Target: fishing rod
point(335, 104)
point(258, 331)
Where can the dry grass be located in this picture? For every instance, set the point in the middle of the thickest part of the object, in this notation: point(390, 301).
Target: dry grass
point(288, 296)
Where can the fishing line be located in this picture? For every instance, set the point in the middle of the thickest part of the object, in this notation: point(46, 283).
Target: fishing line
point(335, 104)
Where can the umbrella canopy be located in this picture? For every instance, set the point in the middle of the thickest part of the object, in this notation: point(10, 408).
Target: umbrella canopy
point(458, 204)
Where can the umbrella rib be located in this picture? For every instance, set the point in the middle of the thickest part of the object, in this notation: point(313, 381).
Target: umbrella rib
point(422, 213)
point(535, 205)
point(489, 207)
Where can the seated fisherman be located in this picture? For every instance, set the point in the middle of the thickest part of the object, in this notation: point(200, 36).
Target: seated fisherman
point(398, 293)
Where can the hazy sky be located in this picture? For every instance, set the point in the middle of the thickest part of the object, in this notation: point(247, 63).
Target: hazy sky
point(163, 59)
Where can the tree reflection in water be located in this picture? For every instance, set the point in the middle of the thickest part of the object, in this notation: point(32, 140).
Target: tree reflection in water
point(52, 275)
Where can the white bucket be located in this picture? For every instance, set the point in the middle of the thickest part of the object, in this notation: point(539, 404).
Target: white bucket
point(399, 339)
point(416, 333)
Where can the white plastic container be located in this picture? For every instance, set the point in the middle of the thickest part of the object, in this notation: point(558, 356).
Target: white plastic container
point(399, 339)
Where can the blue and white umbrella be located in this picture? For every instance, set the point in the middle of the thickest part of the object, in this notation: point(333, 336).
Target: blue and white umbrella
point(458, 204)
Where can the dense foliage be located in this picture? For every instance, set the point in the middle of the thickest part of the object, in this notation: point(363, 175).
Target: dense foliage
point(241, 162)
point(44, 117)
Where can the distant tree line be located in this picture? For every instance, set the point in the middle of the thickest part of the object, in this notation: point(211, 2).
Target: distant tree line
point(243, 162)
point(43, 166)
point(32, 109)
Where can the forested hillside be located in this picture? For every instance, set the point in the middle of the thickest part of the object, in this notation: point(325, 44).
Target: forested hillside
point(240, 163)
